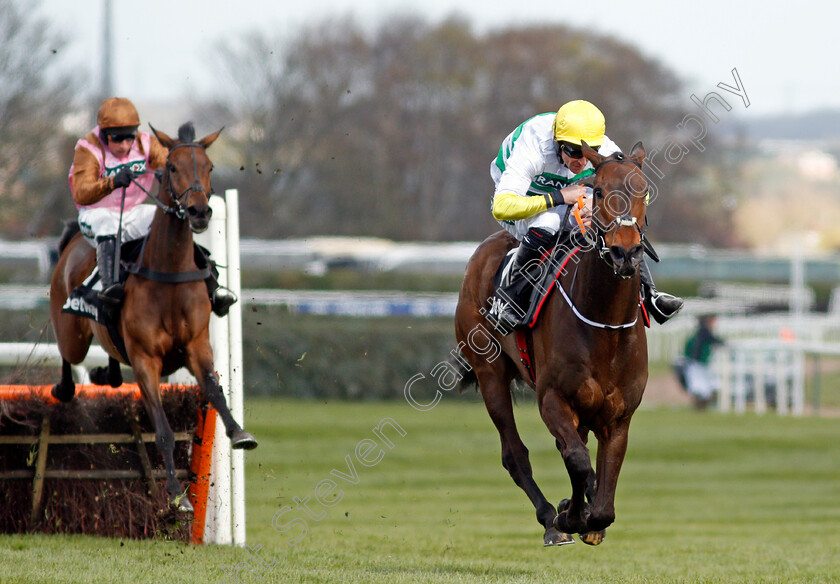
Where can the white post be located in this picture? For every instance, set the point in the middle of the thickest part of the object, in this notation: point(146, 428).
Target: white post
point(234, 319)
point(740, 405)
point(784, 376)
point(797, 397)
point(761, 360)
point(218, 523)
point(726, 375)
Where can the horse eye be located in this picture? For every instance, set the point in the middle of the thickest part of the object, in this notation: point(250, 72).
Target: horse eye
point(171, 168)
point(598, 193)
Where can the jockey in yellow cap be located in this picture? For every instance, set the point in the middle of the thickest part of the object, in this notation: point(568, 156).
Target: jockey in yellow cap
point(111, 173)
point(537, 174)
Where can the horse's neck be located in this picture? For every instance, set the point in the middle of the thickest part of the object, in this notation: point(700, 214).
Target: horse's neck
point(601, 295)
point(170, 244)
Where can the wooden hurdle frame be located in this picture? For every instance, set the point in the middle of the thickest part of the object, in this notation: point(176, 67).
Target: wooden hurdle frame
point(219, 503)
point(200, 458)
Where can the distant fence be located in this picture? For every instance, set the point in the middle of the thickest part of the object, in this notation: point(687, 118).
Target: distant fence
point(319, 254)
point(345, 303)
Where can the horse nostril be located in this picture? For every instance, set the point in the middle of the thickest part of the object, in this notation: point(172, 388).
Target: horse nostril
point(637, 253)
point(618, 255)
point(196, 212)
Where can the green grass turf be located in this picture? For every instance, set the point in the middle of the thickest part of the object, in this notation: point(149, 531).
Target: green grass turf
point(702, 497)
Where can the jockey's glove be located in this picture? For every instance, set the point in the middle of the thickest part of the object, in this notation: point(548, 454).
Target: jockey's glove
point(123, 178)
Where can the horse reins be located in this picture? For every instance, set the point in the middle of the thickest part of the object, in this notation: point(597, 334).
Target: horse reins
point(601, 247)
point(600, 243)
point(178, 209)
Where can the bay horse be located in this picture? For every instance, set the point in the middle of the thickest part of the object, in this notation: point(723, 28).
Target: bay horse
point(165, 315)
point(589, 352)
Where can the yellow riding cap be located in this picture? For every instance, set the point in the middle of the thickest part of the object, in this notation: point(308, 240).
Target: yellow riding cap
point(579, 120)
point(117, 112)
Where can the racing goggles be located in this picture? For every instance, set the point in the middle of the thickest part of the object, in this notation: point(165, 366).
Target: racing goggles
point(120, 136)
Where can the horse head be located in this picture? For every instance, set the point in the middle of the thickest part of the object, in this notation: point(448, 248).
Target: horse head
point(620, 192)
point(185, 186)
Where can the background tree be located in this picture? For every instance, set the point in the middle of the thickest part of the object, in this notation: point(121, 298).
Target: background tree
point(392, 133)
point(33, 102)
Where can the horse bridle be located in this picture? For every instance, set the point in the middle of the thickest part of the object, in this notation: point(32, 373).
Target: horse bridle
point(179, 210)
point(179, 206)
point(627, 220)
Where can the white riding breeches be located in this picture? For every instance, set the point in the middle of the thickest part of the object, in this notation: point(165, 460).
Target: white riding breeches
point(548, 220)
point(99, 222)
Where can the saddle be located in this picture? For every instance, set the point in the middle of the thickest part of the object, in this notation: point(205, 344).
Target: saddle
point(84, 300)
point(541, 279)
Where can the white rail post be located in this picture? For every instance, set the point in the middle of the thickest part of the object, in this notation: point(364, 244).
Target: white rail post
point(726, 374)
point(797, 398)
point(783, 376)
point(740, 405)
point(218, 522)
point(762, 359)
point(234, 318)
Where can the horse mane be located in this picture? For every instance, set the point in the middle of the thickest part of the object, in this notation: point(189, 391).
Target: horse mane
point(71, 228)
point(186, 133)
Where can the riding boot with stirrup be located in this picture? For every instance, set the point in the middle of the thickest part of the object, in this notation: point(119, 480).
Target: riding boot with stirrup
point(510, 303)
point(112, 291)
point(661, 305)
point(221, 298)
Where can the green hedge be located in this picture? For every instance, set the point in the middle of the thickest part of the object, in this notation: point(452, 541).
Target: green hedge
point(339, 357)
point(302, 356)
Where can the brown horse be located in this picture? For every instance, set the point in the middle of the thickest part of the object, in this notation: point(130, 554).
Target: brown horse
point(590, 368)
point(165, 316)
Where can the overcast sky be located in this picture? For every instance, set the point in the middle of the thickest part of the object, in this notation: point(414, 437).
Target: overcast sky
point(785, 52)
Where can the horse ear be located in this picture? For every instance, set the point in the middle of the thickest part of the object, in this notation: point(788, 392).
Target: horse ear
point(207, 140)
point(638, 152)
point(162, 138)
point(590, 154)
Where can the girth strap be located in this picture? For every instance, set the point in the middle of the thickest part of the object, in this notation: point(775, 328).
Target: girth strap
point(168, 277)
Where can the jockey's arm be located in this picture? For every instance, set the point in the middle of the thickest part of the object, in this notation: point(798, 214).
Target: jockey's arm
point(509, 206)
point(88, 186)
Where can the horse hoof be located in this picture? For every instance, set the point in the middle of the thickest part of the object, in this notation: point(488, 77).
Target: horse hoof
point(99, 376)
point(59, 393)
point(242, 440)
point(593, 537)
point(555, 537)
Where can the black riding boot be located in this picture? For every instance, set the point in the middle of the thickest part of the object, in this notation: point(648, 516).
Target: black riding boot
point(221, 298)
point(510, 303)
point(112, 291)
point(661, 305)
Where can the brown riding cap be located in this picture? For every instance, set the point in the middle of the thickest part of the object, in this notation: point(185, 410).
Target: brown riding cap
point(117, 112)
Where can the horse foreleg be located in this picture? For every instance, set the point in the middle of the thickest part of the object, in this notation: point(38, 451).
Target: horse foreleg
point(515, 456)
point(562, 423)
point(611, 451)
point(147, 372)
point(202, 369)
point(65, 389)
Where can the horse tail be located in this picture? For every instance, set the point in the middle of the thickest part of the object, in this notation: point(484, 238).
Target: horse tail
point(465, 372)
point(71, 228)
